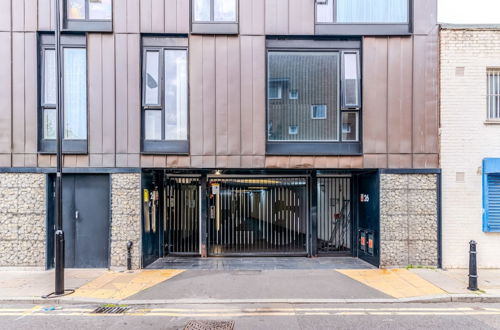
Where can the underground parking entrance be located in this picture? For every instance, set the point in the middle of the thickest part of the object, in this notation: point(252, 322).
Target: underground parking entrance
point(258, 215)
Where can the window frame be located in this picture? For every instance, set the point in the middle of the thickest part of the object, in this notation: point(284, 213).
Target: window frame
point(315, 148)
point(214, 27)
point(86, 25)
point(362, 29)
point(46, 41)
point(172, 147)
point(490, 94)
point(491, 167)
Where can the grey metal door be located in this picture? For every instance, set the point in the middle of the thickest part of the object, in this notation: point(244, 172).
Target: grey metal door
point(86, 219)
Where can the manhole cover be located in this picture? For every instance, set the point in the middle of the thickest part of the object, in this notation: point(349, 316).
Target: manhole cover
point(110, 310)
point(209, 325)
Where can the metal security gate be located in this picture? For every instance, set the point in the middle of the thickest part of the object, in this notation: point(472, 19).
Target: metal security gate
point(257, 216)
point(182, 214)
point(334, 214)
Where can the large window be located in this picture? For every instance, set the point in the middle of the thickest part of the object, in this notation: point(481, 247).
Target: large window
point(325, 118)
point(165, 95)
point(88, 15)
point(493, 94)
point(74, 88)
point(215, 16)
point(362, 16)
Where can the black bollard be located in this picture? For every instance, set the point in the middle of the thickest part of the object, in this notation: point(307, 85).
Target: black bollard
point(129, 255)
point(472, 267)
point(59, 262)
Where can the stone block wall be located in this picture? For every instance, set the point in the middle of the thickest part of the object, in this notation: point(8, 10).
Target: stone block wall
point(408, 220)
point(125, 219)
point(22, 220)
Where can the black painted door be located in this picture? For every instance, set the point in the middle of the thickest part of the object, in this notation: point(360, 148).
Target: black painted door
point(86, 219)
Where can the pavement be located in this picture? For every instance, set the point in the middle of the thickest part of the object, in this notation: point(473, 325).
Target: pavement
point(236, 281)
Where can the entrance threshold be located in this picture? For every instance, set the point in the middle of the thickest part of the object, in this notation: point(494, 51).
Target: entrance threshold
point(259, 263)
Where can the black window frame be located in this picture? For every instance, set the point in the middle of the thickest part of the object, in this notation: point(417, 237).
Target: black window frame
point(362, 29)
point(214, 27)
point(318, 148)
point(86, 25)
point(161, 43)
point(49, 146)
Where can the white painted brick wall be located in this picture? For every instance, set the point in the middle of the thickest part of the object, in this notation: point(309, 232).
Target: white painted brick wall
point(465, 141)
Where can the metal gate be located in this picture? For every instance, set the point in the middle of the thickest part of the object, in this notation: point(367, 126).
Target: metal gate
point(257, 216)
point(182, 214)
point(334, 214)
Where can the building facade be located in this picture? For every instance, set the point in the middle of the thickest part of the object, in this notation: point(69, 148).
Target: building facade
point(470, 105)
point(222, 128)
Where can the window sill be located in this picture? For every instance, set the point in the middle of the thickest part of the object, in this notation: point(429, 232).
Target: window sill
point(214, 28)
point(492, 122)
point(88, 26)
point(314, 148)
point(165, 147)
point(362, 29)
point(70, 147)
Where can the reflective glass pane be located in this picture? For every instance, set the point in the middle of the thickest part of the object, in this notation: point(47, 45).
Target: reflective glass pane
point(100, 9)
point(351, 89)
point(151, 81)
point(225, 10)
point(201, 10)
point(76, 9)
point(49, 124)
point(176, 95)
point(49, 77)
point(324, 12)
point(349, 126)
point(152, 123)
point(370, 11)
point(316, 76)
point(75, 93)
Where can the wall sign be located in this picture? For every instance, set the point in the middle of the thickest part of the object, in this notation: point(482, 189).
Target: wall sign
point(364, 198)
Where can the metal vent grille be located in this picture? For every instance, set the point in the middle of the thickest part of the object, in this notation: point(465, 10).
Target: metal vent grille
point(209, 325)
point(110, 310)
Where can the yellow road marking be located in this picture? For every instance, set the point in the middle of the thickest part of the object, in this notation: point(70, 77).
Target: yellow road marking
point(398, 283)
point(115, 285)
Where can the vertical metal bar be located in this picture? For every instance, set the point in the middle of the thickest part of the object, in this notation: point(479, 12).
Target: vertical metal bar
point(314, 214)
point(203, 216)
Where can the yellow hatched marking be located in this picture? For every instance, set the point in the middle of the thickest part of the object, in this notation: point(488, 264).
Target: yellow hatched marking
point(398, 283)
point(115, 285)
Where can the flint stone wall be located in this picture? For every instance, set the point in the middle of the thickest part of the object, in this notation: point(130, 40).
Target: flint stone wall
point(408, 220)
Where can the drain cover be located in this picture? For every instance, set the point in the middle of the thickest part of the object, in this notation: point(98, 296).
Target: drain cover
point(110, 310)
point(209, 325)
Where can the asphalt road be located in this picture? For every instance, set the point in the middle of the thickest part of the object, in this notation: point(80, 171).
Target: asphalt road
point(277, 316)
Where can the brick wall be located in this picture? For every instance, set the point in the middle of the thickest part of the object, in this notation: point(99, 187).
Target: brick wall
point(465, 140)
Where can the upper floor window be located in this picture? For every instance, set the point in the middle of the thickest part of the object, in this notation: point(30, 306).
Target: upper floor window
point(493, 94)
point(165, 95)
point(352, 17)
point(325, 118)
point(74, 88)
point(88, 15)
point(215, 16)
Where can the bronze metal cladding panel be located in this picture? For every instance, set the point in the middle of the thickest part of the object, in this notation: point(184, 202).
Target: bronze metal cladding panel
point(400, 161)
point(30, 92)
point(246, 95)
point(234, 99)
point(18, 15)
point(183, 16)
point(158, 15)
point(399, 112)
point(95, 86)
point(301, 17)
point(146, 13)
point(121, 93)
point(18, 101)
point(108, 92)
point(5, 93)
point(133, 16)
point(277, 17)
point(196, 95)
point(170, 12)
point(44, 15)
point(134, 94)
point(5, 19)
point(375, 95)
point(208, 92)
point(30, 15)
point(424, 16)
point(259, 95)
point(252, 17)
point(221, 95)
point(374, 160)
point(120, 16)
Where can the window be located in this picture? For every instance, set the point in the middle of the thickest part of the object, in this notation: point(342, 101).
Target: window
point(165, 95)
point(74, 87)
point(215, 16)
point(493, 95)
point(491, 195)
point(322, 120)
point(363, 17)
point(88, 15)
